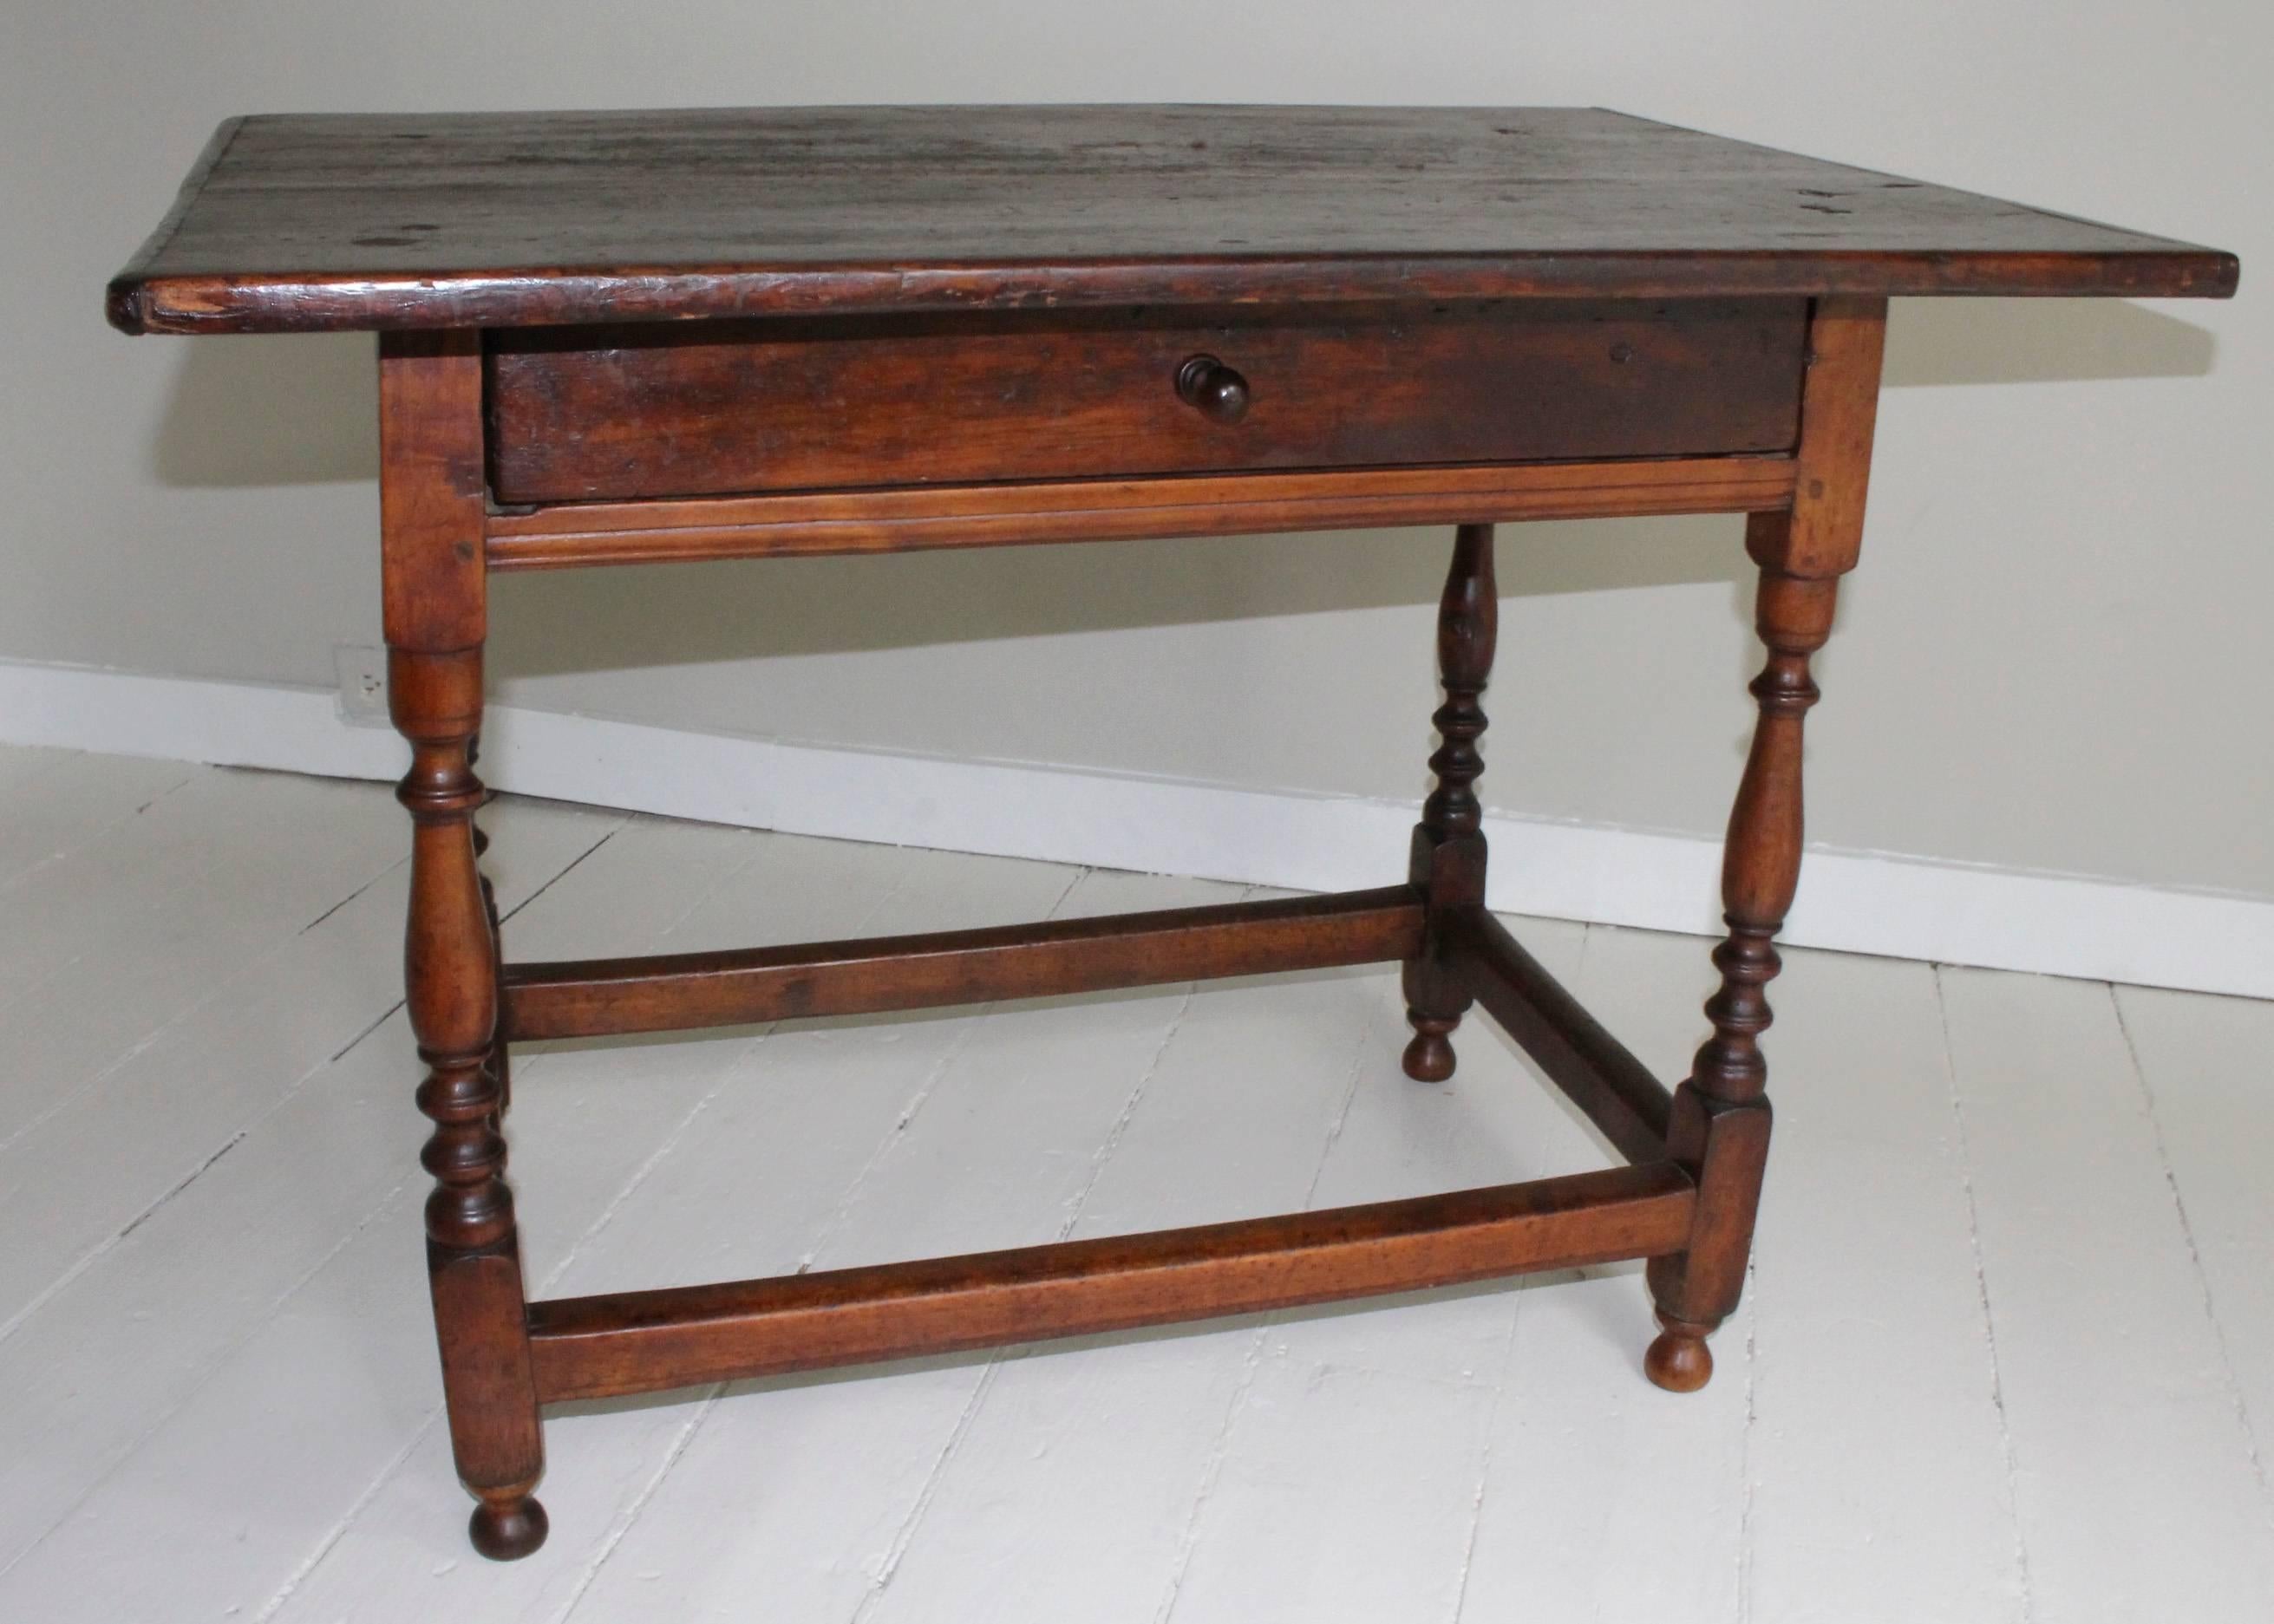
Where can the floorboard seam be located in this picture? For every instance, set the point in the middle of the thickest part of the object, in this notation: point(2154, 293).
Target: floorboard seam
point(194, 769)
point(1519, 1293)
point(151, 1211)
point(88, 837)
point(940, 1069)
point(1982, 1292)
point(102, 1073)
point(250, 967)
point(400, 862)
point(290, 1092)
point(1112, 1142)
point(728, 1067)
point(1264, 1516)
point(282, 1595)
point(1189, 1537)
point(898, 1546)
point(577, 861)
point(621, 1525)
point(1485, 1456)
point(616, 1530)
point(95, 1254)
point(252, 1328)
point(2226, 1369)
point(1350, 1095)
point(905, 1536)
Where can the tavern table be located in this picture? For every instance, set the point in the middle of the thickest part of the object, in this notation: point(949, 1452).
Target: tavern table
point(606, 338)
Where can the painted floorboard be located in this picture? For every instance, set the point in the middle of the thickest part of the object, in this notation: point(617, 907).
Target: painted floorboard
point(1877, 1485)
point(1074, 1489)
point(996, 1146)
point(116, 941)
point(231, 1477)
point(58, 801)
point(183, 1095)
point(1346, 1483)
point(2008, 1353)
point(2137, 1494)
point(286, 1152)
point(1606, 1499)
point(2208, 1067)
point(734, 1178)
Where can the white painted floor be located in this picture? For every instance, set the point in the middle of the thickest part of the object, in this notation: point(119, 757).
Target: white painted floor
point(2007, 1355)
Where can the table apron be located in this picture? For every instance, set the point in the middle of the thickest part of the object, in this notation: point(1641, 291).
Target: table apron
point(576, 534)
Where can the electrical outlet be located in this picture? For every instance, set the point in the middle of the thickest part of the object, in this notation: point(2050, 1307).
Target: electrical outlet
point(363, 683)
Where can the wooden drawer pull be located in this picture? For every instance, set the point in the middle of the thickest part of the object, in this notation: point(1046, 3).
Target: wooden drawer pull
point(1216, 389)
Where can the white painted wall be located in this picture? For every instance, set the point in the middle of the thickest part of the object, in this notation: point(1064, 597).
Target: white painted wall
point(2054, 657)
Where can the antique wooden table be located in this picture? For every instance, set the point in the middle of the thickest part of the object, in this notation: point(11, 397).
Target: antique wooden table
point(617, 337)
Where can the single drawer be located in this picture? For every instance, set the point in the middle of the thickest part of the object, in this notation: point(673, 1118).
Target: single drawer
point(720, 407)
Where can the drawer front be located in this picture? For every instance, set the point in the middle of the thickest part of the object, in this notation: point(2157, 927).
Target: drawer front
point(717, 407)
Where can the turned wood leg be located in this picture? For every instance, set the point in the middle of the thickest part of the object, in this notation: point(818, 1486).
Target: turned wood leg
point(433, 586)
point(1720, 1130)
point(1449, 843)
point(450, 966)
point(500, 1063)
point(1721, 1124)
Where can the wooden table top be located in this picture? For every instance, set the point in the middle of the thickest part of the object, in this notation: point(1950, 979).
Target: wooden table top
point(303, 223)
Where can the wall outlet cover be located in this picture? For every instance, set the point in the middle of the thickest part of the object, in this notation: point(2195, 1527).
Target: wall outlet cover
point(362, 674)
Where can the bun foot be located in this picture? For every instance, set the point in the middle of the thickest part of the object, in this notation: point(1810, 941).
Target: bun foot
point(1429, 1057)
point(506, 1529)
point(1679, 1360)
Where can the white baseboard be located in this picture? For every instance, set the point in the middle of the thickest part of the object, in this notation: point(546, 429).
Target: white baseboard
point(1865, 902)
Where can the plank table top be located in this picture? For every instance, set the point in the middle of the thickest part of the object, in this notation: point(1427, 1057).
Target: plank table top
point(328, 222)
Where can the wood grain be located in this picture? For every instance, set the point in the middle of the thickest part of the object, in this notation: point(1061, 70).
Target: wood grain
point(641, 1341)
point(595, 997)
point(574, 535)
point(316, 223)
point(433, 590)
point(1600, 1074)
point(159, 1408)
point(711, 408)
point(433, 594)
point(881, 328)
point(1720, 1125)
point(1445, 860)
point(1840, 410)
